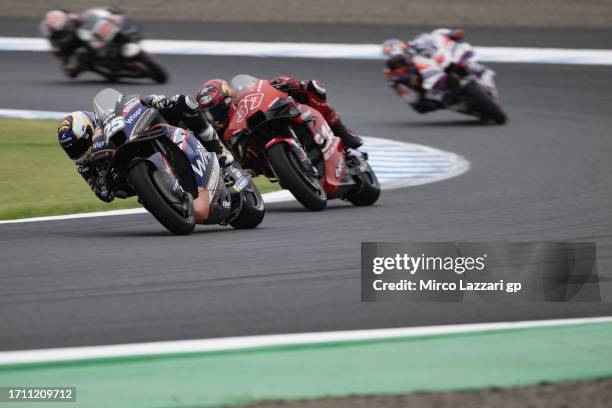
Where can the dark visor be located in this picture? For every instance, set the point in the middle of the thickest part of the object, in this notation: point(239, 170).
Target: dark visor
point(217, 114)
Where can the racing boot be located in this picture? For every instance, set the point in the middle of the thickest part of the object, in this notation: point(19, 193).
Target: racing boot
point(317, 98)
point(350, 139)
point(214, 145)
point(194, 119)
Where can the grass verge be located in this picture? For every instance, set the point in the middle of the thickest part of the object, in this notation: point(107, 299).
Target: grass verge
point(37, 178)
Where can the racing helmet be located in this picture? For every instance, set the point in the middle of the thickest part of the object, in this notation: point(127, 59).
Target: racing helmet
point(55, 21)
point(75, 132)
point(214, 99)
point(394, 47)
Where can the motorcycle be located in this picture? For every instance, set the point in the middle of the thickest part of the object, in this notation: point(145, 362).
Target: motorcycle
point(273, 135)
point(175, 178)
point(114, 48)
point(470, 87)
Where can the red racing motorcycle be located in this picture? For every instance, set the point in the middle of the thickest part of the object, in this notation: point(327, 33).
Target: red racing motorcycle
point(273, 135)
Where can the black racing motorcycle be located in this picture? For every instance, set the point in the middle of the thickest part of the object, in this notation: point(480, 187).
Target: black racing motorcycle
point(175, 178)
point(110, 46)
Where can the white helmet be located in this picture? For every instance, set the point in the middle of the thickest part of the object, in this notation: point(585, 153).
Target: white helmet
point(55, 20)
point(75, 132)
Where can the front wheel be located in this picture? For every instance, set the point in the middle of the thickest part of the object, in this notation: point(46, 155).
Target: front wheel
point(253, 210)
point(482, 104)
point(368, 190)
point(306, 189)
point(141, 177)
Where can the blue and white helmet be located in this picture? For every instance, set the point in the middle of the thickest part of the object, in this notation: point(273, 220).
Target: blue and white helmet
point(75, 132)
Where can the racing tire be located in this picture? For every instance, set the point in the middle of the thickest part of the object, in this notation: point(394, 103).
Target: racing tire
point(368, 191)
point(307, 191)
point(253, 209)
point(155, 71)
point(140, 176)
point(481, 103)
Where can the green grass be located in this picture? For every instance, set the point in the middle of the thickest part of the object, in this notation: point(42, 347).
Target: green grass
point(37, 178)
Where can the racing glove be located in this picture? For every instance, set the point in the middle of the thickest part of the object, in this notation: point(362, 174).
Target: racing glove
point(458, 34)
point(211, 142)
point(288, 84)
point(98, 185)
point(100, 189)
point(157, 101)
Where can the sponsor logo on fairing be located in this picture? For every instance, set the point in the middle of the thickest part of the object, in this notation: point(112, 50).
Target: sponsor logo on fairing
point(201, 162)
point(133, 116)
point(247, 104)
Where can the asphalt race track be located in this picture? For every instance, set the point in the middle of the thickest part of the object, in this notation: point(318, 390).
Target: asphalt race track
point(544, 176)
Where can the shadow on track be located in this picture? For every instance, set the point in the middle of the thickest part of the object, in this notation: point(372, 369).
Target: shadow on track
point(295, 207)
point(92, 81)
point(447, 123)
point(158, 233)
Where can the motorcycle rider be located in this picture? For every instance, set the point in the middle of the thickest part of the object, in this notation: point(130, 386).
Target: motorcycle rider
point(60, 28)
point(75, 133)
point(215, 101)
point(67, 42)
point(416, 70)
point(76, 130)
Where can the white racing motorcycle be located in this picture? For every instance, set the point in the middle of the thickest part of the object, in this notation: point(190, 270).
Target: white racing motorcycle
point(469, 89)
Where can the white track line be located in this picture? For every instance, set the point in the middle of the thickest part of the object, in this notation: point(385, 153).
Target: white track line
point(274, 197)
point(238, 343)
point(334, 51)
point(30, 114)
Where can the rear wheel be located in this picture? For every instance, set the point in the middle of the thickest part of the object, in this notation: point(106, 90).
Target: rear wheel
point(306, 189)
point(141, 177)
point(156, 72)
point(253, 210)
point(368, 191)
point(482, 103)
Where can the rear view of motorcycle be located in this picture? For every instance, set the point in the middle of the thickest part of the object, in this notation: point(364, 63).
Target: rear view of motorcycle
point(175, 178)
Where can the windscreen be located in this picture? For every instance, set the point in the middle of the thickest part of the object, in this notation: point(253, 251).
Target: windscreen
point(104, 104)
point(105, 108)
point(243, 83)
